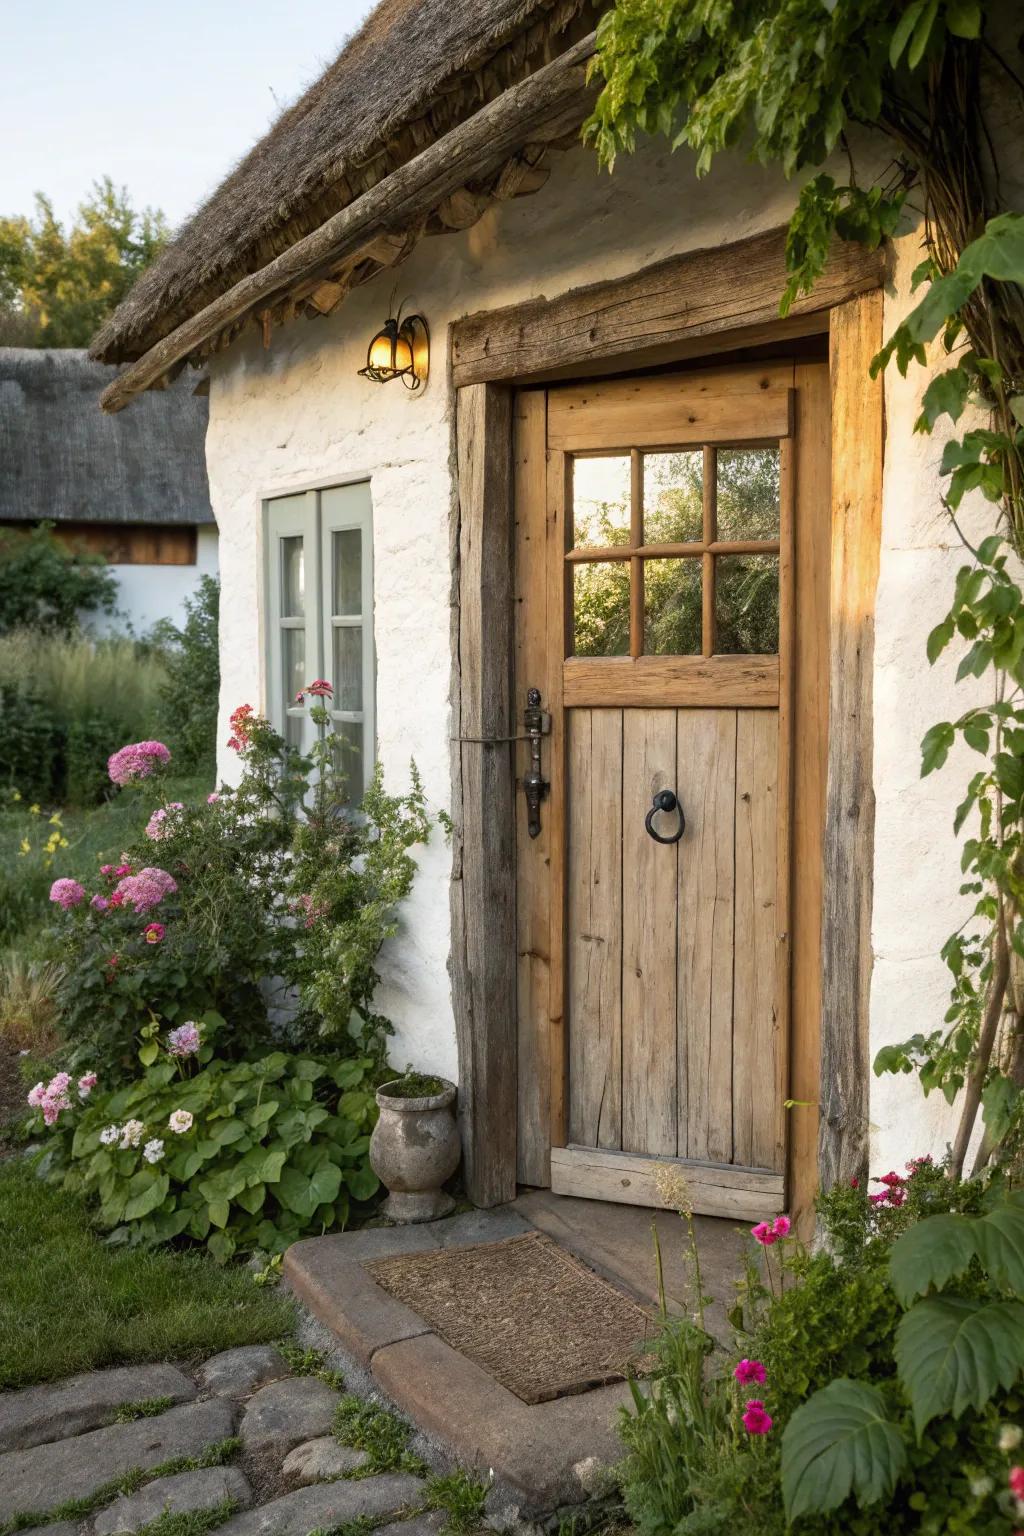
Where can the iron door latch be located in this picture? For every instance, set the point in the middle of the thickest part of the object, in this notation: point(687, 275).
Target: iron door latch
point(537, 724)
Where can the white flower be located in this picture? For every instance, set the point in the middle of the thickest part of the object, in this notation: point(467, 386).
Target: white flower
point(981, 1487)
point(110, 1135)
point(131, 1134)
point(1010, 1437)
point(180, 1122)
point(153, 1151)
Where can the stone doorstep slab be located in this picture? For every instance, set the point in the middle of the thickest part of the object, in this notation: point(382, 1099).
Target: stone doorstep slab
point(47, 1475)
point(57, 1410)
point(550, 1453)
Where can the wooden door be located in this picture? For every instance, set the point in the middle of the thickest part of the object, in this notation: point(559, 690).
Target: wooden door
point(671, 570)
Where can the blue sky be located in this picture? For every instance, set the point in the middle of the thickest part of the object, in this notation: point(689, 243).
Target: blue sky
point(164, 98)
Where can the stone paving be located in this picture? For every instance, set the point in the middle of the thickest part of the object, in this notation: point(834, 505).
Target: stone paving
point(283, 1472)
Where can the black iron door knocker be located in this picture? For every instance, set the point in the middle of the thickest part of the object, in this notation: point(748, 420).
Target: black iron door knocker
point(665, 800)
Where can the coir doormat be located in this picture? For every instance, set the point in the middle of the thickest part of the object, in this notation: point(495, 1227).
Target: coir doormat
point(524, 1310)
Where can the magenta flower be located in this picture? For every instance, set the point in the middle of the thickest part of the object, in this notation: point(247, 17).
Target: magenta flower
point(917, 1163)
point(86, 1083)
point(146, 889)
point(212, 799)
point(100, 903)
point(185, 1040)
point(880, 1198)
point(749, 1371)
point(781, 1226)
point(52, 1098)
point(764, 1234)
point(136, 761)
point(106, 869)
point(892, 1180)
point(320, 688)
point(123, 869)
point(153, 933)
point(156, 827)
point(755, 1420)
point(67, 893)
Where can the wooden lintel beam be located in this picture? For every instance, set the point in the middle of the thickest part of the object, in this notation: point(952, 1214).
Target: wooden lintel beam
point(544, 106)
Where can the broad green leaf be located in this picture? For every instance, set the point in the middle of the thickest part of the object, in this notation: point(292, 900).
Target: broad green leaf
point(294, 1192)
point(998, 1102)
point(221, 1246)
point(963, 18)
point(261, 1113)
point(153, 1195)
point(148, 1052)
point(273, 1163)
point(837, 1443)
point(939, 638)
point(930, 1253)
point(218, 1211)
point(952, 1354)
point(902, 30)
point(922, 32)
point(935, 747)
point(252, 1199)
point(1001, 1244)
point(325, 1183)
point(946, 395)
point(362, 1182)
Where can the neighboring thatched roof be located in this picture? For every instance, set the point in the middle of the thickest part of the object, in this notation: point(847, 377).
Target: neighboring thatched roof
point(62, 459)
point(415, 69)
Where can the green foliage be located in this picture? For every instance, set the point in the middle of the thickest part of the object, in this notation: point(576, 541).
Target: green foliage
point(840, 1443)
point(311, 1362)
point(56, 286)
point(82, 1305)
point(45, 585)
point(190, 693)
point(145, 1408)
point(462, 1498)
point(378, 1432)
point(193, 1522)
point(414, 1085)
point(277, 1148)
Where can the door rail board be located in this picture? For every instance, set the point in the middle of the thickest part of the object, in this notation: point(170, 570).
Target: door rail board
point(631, 1178)
point(679, 682)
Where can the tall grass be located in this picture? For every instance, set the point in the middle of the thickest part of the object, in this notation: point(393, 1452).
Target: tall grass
point(66, 703)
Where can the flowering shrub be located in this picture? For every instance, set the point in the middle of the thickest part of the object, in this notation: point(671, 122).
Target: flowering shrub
point(885, 1368)
point(239, 1155)
point(137, 761)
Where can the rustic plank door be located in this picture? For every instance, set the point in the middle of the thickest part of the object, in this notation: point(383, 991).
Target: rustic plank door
point(671, 587)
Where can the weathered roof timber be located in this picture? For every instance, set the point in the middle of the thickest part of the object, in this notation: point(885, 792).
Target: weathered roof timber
point(415, 70)
point(62, 459)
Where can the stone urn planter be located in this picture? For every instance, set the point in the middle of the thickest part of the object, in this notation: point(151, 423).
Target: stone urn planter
point(415, 1147)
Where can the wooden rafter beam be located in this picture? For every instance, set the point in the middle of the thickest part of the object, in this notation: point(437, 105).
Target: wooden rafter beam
point(540, 109)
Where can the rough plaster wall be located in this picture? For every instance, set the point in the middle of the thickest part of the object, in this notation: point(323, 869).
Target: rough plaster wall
point(298, 414)
point(146, 593)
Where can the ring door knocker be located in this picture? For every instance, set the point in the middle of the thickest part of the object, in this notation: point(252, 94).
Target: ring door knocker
point(665, 800)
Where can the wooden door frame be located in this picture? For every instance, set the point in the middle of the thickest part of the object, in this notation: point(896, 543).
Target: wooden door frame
point(705, 303)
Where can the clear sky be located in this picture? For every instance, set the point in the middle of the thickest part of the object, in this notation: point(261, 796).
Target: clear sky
point(164, 98)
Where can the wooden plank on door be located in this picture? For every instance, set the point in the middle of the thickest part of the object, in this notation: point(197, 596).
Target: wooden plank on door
point(758, 1045)
point(742, 1194)
point(594, 926)
point(707, 890)
point(534, 662)
point(649, 871)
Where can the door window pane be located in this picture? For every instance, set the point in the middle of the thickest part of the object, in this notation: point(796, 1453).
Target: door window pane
point(601, 501)
point(348, 667)
point(348, 572)
point(293, 574)
point(348, 758)
point(674, 497)
point(747, 604)
point(672, 607)
point(748, 493)
point(600, 608)
point(293, 670)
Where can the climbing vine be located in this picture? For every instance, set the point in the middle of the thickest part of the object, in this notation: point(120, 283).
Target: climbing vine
point(804, 85)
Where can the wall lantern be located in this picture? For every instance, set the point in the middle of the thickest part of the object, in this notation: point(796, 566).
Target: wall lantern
point(400, 350)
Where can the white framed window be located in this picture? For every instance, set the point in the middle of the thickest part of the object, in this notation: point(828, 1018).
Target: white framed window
point(319, 609)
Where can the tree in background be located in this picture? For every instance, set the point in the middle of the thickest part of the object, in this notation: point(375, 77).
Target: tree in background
point(45, 585)
point(192, 689)
point(56, 286)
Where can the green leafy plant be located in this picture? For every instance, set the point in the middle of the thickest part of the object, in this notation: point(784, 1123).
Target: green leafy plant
point(384, 1437)
point(462, 1498)
point(414, 1085)
point(45, 584)
point(191, 657)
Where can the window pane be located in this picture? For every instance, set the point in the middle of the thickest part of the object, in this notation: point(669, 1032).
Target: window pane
point(747, 604)
point(601, 502)
point(348, 572)
point(293, 578)
point(348, 667)
point(748, 493)
point(293, 664)
point(293, 730)
point(348, 758)
point(672, 607)
point(600, 608)
point(674, 497)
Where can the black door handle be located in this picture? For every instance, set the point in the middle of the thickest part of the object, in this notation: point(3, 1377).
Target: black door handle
point(665, 800)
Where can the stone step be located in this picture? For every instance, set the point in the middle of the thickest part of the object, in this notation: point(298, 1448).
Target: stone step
point(326, 1505)
point(46, 1476)
point(53, 1412)
point(206, 1488)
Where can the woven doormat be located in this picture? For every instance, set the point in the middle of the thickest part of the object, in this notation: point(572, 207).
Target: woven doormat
point(530, 1314)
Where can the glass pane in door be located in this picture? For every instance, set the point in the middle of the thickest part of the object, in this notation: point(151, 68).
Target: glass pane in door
point(672, 607)
point(293, 577)
point(600, 606)
point(601, 499)
point(748, 493)
point(674, 497)
point(747, 605)
point(348, 667)
point(348, 573)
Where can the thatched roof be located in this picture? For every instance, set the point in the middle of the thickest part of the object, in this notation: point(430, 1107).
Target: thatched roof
point(62, 459)
point(414, 70)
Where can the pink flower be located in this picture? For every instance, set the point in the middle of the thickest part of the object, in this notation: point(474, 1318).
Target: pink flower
point(154, 932)
point(781, 1226)
point(897, 1196)
point(185, 1040)
point(891, 1180)
point(86, 1084)
point(155, 828)
point(100, 903)
point(106, 869)
point(53, 1098)
point(917, 1163)
point(136, 761)
point(123, 869)
point(764, 1234)
point(855, 1183)
point(242, 721)
point(1016, 1482)
point(879, 1199)
point(36, 1095)
point(146, 889)
point(749, 1371)
point(212, 799)
point(67, 893)
point(755, 1420)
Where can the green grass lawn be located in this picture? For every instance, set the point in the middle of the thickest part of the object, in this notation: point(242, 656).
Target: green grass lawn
point(68, 1302)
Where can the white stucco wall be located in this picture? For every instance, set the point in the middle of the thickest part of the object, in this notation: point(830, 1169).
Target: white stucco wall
point(297, 414)
point(146, 593)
